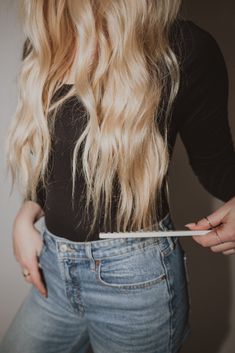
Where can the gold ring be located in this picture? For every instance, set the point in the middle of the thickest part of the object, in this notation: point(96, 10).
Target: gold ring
point(25, 274)
point(216, 232)
point(209, 222)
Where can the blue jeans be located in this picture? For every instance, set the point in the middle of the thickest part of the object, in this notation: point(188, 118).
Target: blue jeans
point(128, 295)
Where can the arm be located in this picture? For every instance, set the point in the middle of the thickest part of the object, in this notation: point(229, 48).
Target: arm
point(37, 207)
point(206, 135)
point(29, 211)
point(27, 240)
point(203, 118)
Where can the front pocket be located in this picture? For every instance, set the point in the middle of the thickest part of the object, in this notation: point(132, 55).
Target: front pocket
point(43, 248)
point(132, 271)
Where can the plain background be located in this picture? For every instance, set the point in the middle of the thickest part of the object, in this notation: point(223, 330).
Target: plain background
point(212, 276)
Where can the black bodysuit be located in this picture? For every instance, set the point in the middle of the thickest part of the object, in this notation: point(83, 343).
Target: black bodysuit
point(200, 116)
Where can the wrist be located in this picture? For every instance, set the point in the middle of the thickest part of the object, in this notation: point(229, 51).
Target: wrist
point(29, 211)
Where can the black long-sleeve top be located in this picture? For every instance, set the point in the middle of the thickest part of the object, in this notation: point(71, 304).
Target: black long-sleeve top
point(199, 115)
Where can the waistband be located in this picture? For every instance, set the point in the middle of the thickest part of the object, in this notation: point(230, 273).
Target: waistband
point(104, 247)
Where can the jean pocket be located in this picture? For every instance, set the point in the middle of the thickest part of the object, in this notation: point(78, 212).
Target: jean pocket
point(43, 248)
point(142, 269)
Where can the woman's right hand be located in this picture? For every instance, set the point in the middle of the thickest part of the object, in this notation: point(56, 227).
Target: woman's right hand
point(27, 244)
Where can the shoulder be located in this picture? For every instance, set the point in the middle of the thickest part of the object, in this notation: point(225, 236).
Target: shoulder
point(194, 46)
point(202, 64)
point(204, 77)
point(190, 32)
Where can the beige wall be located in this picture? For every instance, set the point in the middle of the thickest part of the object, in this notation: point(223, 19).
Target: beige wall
point(12, 288)
point(212, 275)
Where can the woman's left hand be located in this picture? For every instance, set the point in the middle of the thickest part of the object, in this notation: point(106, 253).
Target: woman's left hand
point(222, 225)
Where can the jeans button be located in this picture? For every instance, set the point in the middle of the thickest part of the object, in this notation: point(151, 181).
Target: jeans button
point(63, 247)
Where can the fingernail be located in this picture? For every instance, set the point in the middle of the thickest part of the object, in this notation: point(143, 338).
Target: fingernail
point(190, 224)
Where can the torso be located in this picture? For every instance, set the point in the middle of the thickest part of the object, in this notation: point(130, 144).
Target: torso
point(59, 216)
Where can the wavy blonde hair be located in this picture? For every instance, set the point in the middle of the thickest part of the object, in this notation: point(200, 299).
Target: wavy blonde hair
point(127, 45)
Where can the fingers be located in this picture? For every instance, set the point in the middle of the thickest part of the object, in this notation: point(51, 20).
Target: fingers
point(211, 238)
point(222, 225)
point(224, 247)
point(205, 223)
point(229, 252)
point(215, 218)
point(220, 239)
point(222, 233)
point(34, 276)
point(212, 220)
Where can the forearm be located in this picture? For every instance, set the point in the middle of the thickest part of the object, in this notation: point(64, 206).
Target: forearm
point(217, 176)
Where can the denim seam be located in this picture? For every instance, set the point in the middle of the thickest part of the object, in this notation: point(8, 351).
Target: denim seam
point(43, 250)
point(132, 249)
point(69, 306)
point(162, 257)
point(135, 250)
point(185, 261)
point(72, 290)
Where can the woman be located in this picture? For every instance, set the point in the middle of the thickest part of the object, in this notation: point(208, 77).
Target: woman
point(105, 86)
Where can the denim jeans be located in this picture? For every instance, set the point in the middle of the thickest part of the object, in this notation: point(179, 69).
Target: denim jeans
point(128, 295)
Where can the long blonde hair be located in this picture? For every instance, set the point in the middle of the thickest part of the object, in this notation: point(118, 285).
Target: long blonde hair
point(121, 90)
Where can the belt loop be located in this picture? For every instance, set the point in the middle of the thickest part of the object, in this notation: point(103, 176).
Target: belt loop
point(163, 223)
point(88, 252)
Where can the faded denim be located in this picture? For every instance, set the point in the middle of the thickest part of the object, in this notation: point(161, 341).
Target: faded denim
point(128, 295)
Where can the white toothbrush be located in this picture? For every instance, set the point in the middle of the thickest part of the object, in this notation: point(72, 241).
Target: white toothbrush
point(142, 234)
